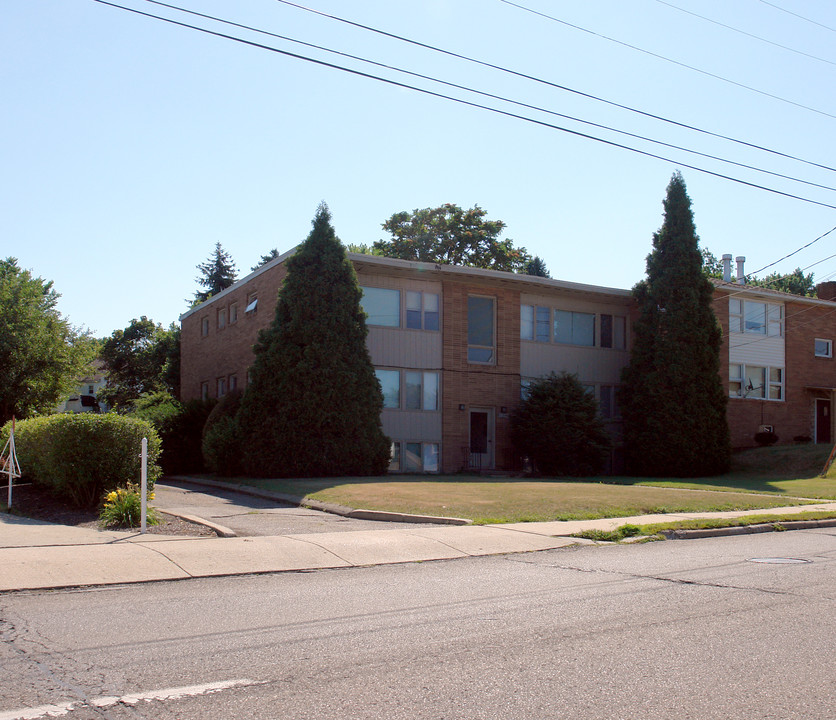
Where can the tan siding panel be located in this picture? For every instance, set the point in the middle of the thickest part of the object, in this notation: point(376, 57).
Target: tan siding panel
point(405, 425)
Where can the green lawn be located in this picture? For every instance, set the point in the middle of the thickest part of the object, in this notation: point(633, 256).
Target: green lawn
point(761, 478)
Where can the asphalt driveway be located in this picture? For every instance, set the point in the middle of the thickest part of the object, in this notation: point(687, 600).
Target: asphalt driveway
point(250, 516)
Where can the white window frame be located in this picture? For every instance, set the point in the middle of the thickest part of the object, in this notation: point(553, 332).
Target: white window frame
point(827, 352)
point(773, 320)
point(573, 338)
point(769, 387)
point(425, 450)
point(233, 313)
point(392, 373)
point(221, 318)
point(423, 310)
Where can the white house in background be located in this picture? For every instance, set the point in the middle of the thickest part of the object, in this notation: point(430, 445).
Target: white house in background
point(85, 397)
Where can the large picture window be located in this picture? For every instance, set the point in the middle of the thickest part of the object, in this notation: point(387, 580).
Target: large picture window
point(756, 381)
point(574, 328)
point(481, 347)
point(756, 318)
point(382, 306)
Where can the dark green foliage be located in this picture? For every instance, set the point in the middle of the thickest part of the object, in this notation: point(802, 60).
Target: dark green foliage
point(216, 274)
point(672, 399)
point(269, 257)
point(81, 457)
point(537, 266)
point(451, 236)
point(795, 282)
point(143, 358)
point(558, 428)
point(313, 406)
point(41, 355)
point(221, 440)
point(182, 438)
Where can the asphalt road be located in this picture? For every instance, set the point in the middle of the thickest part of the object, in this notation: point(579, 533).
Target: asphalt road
point(249, 516)
point(680, 629)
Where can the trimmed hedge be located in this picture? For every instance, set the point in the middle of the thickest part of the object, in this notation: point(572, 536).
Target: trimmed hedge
point(83, 456)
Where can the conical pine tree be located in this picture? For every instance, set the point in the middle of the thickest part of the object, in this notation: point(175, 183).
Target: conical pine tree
point(672, 399)
point(216, 274)
point(313, 406)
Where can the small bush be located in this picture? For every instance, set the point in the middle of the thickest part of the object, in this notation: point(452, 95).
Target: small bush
point(81, 457)
point(122, 508)
point(766, 438)
point(558, 428)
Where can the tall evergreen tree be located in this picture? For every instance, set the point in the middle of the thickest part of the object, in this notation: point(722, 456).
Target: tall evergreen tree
point(313, 405)
point(216, 274)
point(672, 399)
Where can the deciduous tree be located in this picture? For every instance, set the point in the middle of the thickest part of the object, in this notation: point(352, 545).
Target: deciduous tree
point(672, 399)
point(42, 356)
point(451, 236)
point(313, 405)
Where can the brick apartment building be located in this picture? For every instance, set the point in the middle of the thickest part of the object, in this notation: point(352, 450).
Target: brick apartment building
point(454, 347)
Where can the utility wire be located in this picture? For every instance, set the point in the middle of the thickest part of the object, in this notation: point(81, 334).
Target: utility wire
point(554, 85)
point(670, 60)
point(795, 252)
point(489, 95)
point(747, 34)
point(789, 12)
point(464, 102)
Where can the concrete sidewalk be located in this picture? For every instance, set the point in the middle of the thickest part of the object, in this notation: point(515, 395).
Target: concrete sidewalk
point(39, 555)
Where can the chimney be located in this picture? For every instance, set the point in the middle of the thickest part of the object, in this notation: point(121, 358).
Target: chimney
point(726, 268)
point(826, 291)
point(741, 277)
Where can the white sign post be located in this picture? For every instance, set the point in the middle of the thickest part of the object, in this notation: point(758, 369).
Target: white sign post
point(10, 464)
point(144, 486)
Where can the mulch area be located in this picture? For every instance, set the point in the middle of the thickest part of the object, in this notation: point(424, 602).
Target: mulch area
point(39, 504)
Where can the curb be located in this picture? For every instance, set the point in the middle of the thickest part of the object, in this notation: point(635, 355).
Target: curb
point(747, 529)
point(333, 508)
point(220, 530)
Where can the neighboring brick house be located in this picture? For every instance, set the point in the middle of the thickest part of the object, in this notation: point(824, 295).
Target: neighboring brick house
point(453, 348)
point(778, 362)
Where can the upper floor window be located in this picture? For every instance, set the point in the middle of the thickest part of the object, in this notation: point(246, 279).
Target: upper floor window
point(757, 318)
point(613, 332)
point(824, 348)
point(574, 328)
point(382, 306)
point(421, 310)
point(221, 318)
point(390, 384)
point(608, 402)
point(204, 326)
point(252, 303)
point(204, 391)
point(221, 387)
point(421, 390)
point(233, 313)
point(481, 345)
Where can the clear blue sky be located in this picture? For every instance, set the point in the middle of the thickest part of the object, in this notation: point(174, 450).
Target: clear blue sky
point(129, 147)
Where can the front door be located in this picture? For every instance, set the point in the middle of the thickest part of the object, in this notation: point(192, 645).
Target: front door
point(823, 421)
point(481, 438)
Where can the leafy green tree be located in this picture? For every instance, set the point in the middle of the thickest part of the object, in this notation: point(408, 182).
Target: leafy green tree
point(557, 426)
point(313, 405)
point(672, 399)
point(795, 282)
point(42, 356)
point(451, 236)
point(216, 274)
point(711, 266)
point(272, 255)
point(143, 358)
point(537, 267)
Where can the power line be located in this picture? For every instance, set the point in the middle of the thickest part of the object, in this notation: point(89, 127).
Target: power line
point(465, 102)
point(670, 60)
point(557, 86)
point(795, 252)
point(789, 12)
point(747, 34)
point(489, 95)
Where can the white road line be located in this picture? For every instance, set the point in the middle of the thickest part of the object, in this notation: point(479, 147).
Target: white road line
point(58, 710)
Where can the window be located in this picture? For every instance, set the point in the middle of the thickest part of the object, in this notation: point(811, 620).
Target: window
point(429, 457)
point(417, 457)
point(204, 391)
point(204, 326)
point(233, 382)
point(221, 387)
point(233, 313)
point(252, 303)
point(390, 384)
point(221, 318)
point(755, 381)
point(824, 348)
point(526, 322)
point(535, 323)
point(395, 457)
point(422, 310)
point(757, 318)
point(613, 332)
point(574, 328)
point(480, 330)
point(608, 402)
point(421, 390)
point(382, 306)
point(90, 390)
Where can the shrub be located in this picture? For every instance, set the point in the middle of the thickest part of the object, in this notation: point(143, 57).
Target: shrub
point(123, 508)
point(221, 444)
point(558, 427)
point(81, 457)
point(766, 438)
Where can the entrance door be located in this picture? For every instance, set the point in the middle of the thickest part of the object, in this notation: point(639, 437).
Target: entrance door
point(823, 421)
point(481, 438)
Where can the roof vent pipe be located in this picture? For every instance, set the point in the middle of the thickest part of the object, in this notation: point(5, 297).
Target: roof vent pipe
point(741, 278)
point(726, 268)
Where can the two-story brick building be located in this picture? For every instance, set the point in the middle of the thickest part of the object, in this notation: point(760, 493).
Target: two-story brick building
point(452, 347)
